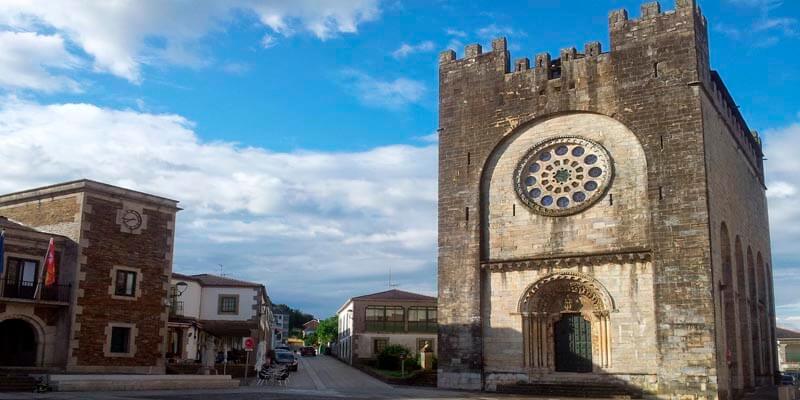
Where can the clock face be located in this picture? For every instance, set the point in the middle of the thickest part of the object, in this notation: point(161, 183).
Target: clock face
point(132, 219)
point(563, 176)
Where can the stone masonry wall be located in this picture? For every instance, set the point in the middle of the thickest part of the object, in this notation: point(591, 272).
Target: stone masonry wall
point(104, 245)
point(59, 214)
point(602, 228)
point(644, 84)
point(737, 199)
point(634, 355)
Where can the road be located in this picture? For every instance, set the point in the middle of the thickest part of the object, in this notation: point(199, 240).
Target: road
point(317, 378)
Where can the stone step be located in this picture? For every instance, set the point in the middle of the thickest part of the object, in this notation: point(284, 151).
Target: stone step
point(602, 391)
point(9, 383)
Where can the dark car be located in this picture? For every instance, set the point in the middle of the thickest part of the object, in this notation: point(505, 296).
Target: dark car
point(787, 379)
point(308, 351)
point(286, 358)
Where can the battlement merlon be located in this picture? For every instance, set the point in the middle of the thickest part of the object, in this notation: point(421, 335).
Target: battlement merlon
point(618, 23)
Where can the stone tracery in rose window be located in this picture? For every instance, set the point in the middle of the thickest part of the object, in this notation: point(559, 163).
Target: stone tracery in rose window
point(563, 176)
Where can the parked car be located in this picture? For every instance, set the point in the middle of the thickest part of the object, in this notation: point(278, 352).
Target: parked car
point(286, 358)
point(283, 347)
point(787, 379)
point(308, 351)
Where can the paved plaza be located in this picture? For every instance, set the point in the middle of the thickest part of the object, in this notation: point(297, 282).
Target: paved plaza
point(318, 378)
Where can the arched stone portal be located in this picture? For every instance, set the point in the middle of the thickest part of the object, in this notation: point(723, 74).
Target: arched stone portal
point(565, 323)
point(18, 344)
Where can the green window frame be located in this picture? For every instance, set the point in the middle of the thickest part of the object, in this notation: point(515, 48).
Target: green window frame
point(385, 319)
point(423, 319)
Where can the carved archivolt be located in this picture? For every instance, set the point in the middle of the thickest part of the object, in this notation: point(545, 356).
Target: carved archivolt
point(558, 289)
point(557, 294)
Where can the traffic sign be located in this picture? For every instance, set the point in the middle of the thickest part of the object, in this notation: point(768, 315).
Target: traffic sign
point(249, 344)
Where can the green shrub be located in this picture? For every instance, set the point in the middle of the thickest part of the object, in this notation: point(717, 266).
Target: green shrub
point(389, 358)
point(411, 364)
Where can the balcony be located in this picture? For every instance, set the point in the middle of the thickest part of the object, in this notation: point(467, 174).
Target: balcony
point(385, 326)
point(27, 290)
point(423, 327)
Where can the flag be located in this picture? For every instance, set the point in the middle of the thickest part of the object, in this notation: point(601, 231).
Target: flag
point(49, 267)
point(50, 264)
point(2, 249)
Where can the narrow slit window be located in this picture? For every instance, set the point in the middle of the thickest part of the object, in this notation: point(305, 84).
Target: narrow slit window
point(610, 199)
point(466, 213)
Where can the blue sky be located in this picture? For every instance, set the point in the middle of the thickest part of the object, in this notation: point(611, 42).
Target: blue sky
point(298, 135)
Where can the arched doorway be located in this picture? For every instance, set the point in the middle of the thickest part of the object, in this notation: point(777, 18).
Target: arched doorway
point(17, 343)
point(565, 323)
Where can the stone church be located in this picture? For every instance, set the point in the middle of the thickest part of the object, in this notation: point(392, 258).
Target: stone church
point(602, 219)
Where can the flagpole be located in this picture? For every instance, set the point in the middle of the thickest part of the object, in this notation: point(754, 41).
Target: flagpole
point(47, 260)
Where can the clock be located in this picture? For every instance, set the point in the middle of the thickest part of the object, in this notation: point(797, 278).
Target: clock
point(563, 175)
point(132, 219)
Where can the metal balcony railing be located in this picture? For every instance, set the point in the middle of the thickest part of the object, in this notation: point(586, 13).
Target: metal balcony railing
point(16, 289)
point(423, 327)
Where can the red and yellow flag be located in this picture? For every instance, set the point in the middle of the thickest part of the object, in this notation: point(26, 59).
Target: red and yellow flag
point(50, 264)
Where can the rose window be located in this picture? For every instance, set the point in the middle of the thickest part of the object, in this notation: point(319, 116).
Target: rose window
point(562, 176)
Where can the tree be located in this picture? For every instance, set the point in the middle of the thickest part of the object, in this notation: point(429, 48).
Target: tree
point(327, 331)
point(296, 317)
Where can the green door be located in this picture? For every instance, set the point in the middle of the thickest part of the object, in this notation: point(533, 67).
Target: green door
point(573, 336)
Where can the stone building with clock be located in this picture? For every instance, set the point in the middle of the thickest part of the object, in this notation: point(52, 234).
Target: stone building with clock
point(108, 310)
point(602, 219)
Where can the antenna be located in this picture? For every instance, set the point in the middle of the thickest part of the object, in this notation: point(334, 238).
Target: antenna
point(221, 270)
point(391, 285)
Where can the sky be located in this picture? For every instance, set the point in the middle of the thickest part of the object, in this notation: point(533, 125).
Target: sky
point(299, 136)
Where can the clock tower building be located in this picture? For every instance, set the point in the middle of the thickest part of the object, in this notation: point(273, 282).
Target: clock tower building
point(117, 262)
point(602, 219)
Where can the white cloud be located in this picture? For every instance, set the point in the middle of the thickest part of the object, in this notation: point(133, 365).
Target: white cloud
point(407, 49)
point(121, 36)
point(375, 92)
point(268, 41)
point(276, 217)
point(455, 32)
point(32, 61)
point(494, 31)
point(236, 68)
point(781, 167)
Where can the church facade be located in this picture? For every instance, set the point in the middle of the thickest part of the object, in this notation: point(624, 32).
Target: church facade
point(602, 218)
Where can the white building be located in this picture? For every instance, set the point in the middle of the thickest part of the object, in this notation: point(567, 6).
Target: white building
point(228, 310)
point(788, 349)
point(369, 323)
point(280, 331)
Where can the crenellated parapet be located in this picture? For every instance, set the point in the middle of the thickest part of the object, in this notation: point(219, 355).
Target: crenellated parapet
point(659, 49)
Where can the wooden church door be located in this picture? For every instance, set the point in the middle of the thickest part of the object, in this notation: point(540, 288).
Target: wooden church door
point(573, 336)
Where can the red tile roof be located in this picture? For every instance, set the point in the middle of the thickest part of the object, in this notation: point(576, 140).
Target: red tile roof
point(783, 333)
point(395, 294)
point(215, 280)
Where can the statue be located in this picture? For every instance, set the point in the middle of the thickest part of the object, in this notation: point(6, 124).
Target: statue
point(426, 356)
point(426, 348)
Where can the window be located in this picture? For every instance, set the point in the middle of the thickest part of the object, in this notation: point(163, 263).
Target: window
point(20, 281)
point(422, 319)
point(228, 304)
point(378, 345)
point(126, 283)
point(385, 319)
point(120, 339)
